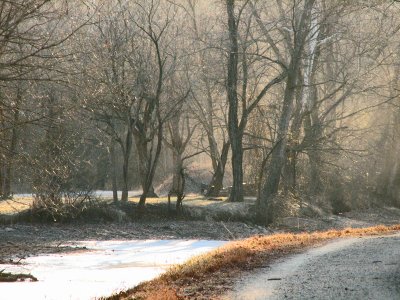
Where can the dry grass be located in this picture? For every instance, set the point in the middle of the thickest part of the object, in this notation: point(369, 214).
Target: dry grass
point(13, 206)
point(19, 204)
point(192, 199)
point(210, 275)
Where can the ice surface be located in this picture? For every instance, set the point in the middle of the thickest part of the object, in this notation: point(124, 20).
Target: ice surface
point(107, 267)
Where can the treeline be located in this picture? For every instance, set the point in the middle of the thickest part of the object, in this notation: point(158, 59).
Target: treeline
point(299, 98)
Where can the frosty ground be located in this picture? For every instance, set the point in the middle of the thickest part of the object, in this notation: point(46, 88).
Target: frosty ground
point(20, 243)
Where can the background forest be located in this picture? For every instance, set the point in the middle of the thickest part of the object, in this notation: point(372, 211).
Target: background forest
point(286, 100)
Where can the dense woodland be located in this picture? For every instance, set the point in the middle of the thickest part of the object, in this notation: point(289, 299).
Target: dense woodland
point(297, 99)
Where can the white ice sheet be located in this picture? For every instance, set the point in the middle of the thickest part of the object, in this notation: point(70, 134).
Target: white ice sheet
point(109, 266)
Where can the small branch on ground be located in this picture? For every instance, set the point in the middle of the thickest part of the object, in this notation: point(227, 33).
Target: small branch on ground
point(9, 277)
point(230, 233)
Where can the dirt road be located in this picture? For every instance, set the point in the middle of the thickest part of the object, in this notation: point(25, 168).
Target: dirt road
point(359, 268)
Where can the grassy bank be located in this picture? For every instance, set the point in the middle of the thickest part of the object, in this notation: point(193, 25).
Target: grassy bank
point(210, 275)
point(195, 207)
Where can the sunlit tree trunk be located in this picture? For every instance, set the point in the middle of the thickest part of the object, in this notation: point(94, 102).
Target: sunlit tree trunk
point(217, 180)
point(144, 168)
point(151, 164)
point(278, 157)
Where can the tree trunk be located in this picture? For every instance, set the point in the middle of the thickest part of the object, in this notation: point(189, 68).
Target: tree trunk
point(125, 167)
point(313, 132)
point(315, 175)
point(144, 169)
point(216, 183)
point(236, 194)
point(392, 163)
point(150, 164)
point(289, 172)
point(113, 162)
point(181, 194)
point(213, 151)
point(142, 151)
point(177, 178)
point(9, 165)
point(143, 160)
point(278, 157)
point(2, 160)
point(178, 182)
point(235, 136)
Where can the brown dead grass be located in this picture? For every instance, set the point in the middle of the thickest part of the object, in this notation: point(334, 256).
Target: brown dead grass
point(20, 204)
point(13, 206)
point(193, 199)
point(209, 275)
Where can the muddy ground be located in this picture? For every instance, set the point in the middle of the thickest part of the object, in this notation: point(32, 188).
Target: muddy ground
point(17, 241)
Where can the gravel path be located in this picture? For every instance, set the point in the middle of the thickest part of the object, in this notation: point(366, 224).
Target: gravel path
point(358, 268)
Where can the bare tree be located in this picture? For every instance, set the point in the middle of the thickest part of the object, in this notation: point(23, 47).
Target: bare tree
point(242, 103)
point(301, 27)
point(155, 25)
point(207, 78)
point(180, 132)
point(31, 35)
point(108, 90)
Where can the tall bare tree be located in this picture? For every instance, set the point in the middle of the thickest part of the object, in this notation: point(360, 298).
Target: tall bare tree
point(301, 29)
point(242, 101)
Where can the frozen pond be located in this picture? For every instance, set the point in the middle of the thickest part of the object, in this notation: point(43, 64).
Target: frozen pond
point(108, 267)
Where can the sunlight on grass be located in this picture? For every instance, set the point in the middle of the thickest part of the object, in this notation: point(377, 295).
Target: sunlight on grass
point(196, 200)
point(15, 205)
point(19, 204)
